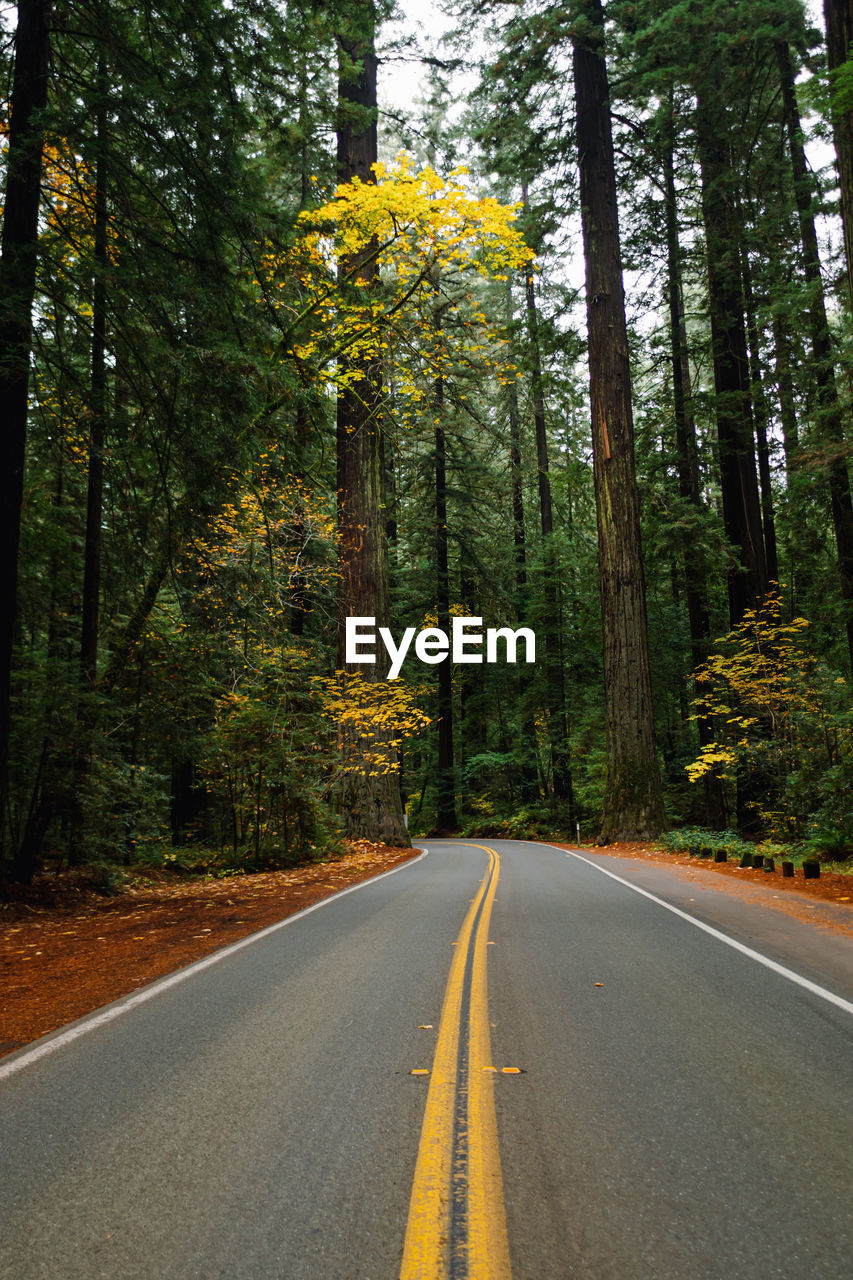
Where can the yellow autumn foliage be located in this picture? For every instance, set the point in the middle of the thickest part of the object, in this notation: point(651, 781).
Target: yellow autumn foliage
point(774, 712)
point(375, 716)
point(420, 219)
point(429, 237)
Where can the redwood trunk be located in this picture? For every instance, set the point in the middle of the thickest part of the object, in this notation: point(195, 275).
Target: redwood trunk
point(518, 533)
point(530, 771)
point(446, 809)
point(516, 479)
point(558, 720)
point(783, 361)
point(633, 802)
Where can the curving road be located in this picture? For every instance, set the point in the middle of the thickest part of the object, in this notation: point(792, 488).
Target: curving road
point(499, 1061)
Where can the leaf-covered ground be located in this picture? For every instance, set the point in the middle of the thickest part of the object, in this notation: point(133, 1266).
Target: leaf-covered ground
point(65, 950)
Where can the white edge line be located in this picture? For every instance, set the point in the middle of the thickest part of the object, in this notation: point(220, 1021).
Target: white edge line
point(89, 1022)
point(806, 983)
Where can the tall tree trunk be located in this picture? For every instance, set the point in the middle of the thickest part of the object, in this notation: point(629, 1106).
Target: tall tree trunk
point(838, 15)
point(97, 409)
point(516, 480)
point(762, 417)
point(299, 604)
point(18, 250)
point(558, 720)
point(633, 802)
point(446, 808)
point(545, 508)
point(299, 594)
point(738, 477)
point(830, 426)
point(91, 596)
point(530, 771)
point(372, 805)
point(474, 704)
point(782, 361)
point(686, 461)
point(124, 643)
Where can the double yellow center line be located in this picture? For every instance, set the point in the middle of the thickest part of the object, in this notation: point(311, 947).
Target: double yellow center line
point(457, 1219)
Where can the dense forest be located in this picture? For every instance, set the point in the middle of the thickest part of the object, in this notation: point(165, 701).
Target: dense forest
point(560, 344)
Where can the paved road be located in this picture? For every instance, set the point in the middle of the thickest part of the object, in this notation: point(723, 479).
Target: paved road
point(680, 1109)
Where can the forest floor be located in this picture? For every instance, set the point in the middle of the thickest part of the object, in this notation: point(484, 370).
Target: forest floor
point(66, 950)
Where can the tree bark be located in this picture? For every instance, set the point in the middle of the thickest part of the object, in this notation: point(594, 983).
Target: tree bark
point(782, 360)
point(446, 808)
point(558, 720)
point(91, 595)
point(372, 806)
point(545, 508)
point(516, 481)
point(530, 771)
point(18, 253)
point(633, 802)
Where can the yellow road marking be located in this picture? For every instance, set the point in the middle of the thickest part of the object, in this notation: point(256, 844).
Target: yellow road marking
point(488, 1247)
point(427, 1241)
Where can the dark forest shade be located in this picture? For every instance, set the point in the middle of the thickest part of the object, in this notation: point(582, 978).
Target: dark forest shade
point(97, 408)
point(17, 289)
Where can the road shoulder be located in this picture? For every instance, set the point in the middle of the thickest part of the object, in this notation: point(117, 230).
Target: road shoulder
point(61, 960)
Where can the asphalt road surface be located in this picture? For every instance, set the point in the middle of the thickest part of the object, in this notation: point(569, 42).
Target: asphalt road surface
point(499, 1061)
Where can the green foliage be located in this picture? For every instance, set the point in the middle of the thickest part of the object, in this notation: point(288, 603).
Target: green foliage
point(121, 808)
point(528, 823)
point(693, 840)
point(107, 879)
point(829, 844)
point(831, 847)
point(842, 90)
